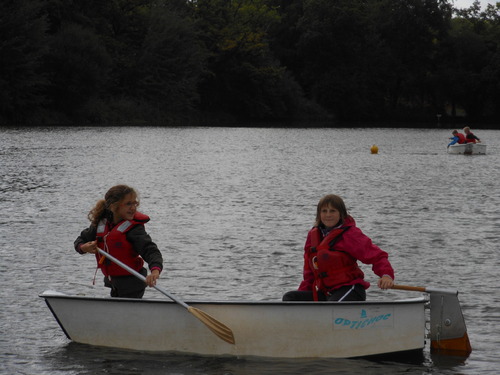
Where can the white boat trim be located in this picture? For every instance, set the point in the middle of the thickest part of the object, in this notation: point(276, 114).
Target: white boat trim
point(467, 149)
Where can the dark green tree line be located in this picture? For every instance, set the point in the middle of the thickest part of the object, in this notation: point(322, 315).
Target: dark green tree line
point(181, 62)
point(470, 62)
point(22, 49)
point(243, 77)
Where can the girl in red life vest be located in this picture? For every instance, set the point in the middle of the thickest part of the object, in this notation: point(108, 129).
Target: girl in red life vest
point(118, 228)
point(470, 137)
point(333, 247)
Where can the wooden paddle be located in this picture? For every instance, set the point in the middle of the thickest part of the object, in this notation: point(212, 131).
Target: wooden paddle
point(409, 287)
point(215, 326)
point(423, 289)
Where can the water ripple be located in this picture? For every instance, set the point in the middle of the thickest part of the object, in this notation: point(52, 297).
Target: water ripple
point(230, 210)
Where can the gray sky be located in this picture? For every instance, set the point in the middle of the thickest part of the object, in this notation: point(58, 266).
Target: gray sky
point(468, 3)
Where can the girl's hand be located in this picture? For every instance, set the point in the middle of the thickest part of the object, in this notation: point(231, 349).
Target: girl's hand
point(152, 277)
point(89, 247)
point(385, 282)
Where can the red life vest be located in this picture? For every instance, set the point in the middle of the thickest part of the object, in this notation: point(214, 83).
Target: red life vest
point(461, 138)
point(332, 268)
point(470, 138)
point(114, 241)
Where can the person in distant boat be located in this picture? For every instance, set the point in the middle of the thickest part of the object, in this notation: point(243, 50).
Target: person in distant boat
point(331, 253)
point(470, 137)
point(457, 138)
point(118, 228)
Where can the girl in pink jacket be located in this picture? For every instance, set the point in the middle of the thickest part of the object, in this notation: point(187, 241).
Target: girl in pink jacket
point(333, 247)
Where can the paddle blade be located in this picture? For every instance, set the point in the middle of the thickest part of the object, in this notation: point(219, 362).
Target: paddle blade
point(215, 326)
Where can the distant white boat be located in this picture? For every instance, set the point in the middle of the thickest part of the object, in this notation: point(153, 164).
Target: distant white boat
point(467, 149)
point(266, 329)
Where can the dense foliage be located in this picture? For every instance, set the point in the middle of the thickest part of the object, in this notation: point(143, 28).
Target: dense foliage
point(189, 62)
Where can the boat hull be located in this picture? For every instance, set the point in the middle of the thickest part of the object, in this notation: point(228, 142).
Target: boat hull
point(266, 329)
point(468, 149)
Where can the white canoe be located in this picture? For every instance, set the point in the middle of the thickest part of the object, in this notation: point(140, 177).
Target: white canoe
point(468, 149)
point(266, 329)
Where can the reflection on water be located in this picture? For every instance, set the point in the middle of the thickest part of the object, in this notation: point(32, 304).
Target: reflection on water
point(84, 359)
point(230, 210)
point(89, 360)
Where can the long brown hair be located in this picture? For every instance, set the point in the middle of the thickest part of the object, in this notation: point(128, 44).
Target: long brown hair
point(104, 207)
point(334, 201)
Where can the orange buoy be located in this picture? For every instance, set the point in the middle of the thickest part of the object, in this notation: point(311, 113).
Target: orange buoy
point(374, 149)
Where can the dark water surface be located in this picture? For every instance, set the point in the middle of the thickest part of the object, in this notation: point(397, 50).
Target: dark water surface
point(230, 210)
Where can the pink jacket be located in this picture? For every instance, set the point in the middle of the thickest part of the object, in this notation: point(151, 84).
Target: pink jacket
point(357, 244)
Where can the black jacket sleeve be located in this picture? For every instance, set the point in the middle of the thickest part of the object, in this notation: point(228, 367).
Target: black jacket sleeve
point(87, 235)
point(145, 247)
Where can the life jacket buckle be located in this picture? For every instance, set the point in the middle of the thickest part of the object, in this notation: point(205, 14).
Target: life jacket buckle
point(315, 262)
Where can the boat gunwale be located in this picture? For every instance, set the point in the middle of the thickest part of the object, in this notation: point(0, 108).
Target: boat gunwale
point(415, 300)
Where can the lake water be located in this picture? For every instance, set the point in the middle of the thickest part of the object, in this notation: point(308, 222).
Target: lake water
point(230, 210)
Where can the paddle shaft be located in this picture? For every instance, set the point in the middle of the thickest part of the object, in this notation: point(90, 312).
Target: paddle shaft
point(409, 287)
point(424, 290)
point(141, 277)
point(224, 332)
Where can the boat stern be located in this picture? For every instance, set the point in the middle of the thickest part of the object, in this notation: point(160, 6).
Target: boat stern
point(448, 331)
